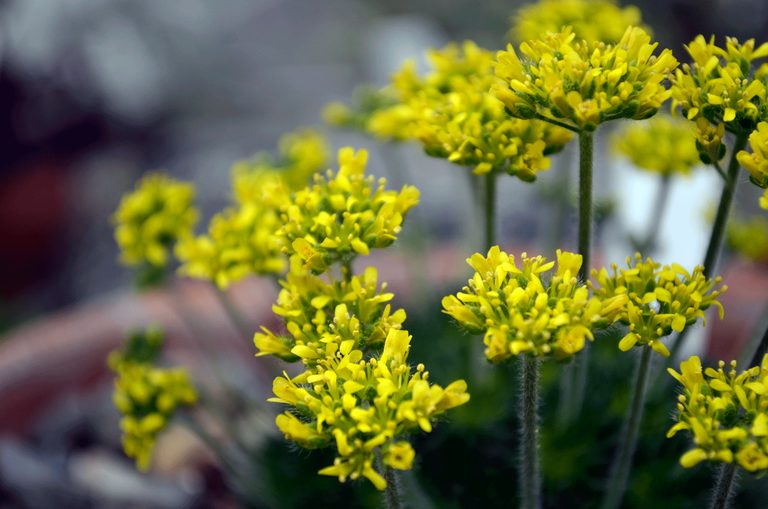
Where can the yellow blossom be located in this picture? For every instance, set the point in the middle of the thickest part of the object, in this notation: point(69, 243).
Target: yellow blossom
point(662, 144)
point(449, 111)
point(591, 20)
point(659, 299)
point(582, 84)
point(150, 219)
point(146, 396)
point(724, 86)
point(756, 161)
point(527, 308)
point(363, 406)
point(343, 214)
point(726, 413)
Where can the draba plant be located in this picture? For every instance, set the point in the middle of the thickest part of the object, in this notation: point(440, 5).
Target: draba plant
point(355, 388)
point(358, 392)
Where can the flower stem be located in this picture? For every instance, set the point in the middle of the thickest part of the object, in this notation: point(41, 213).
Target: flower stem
point(392, 498)
point(722, 493)
point(489, 210)
point(622, 462)
point(760, 351)
point(718, 228)
point(581, 366)
point(529, 470)
point(723, 208)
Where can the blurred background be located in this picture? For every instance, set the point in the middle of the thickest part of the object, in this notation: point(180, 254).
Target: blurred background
point(95, 92)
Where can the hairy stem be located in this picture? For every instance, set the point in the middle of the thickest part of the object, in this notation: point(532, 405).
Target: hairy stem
point(392, 497)
point(622, 462)
point(529, 470)
point(489, 210)
point(722, 492)
point(581, 367)
point(718, 228)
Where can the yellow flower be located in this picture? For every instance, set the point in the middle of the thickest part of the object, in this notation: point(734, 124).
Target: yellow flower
point(363, 406)
point(658, 299)
point(240, 241)
point(723, 86)
point(749, 237)
point(756, 162)
point(146, 396)
point(150, 219)
point(726, 413)
point(449, 111)
point(519, 313)
point(662, 144)
point(368, 102)
point(591, 20)
point(582, 84)
point(343, 214)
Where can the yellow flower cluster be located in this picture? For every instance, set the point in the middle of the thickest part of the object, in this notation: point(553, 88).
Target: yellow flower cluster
point(343, 214)
point(363, 404)
point(152, 218)
point(591, 20)
point(241, 239)
point(450, 112)
point(145, 395)
point(662, 144)
point(528, 309)
point(320, 314)
point(582, 84)
point(722, 87)
point(756, 161)
point(726, 412)
point(366, 101)
point(660, 299)
point(349, 396)
point(749, 237)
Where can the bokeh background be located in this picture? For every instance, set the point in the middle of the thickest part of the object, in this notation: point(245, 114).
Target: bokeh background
point(93, 93)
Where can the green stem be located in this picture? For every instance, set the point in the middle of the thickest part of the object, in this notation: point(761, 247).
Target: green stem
point(489, 210)
point(718, 228)
point(556, 122)
point(529, 470)
point(235, 316)
point(622, 462)
point(722, 493)
point(392, 497)
point(760, 351)
point(724, 208)
point(581, 367)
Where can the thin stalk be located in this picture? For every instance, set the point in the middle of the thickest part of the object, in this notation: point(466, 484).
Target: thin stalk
point(529, 469)
point(718, 228)
point(657, 215)
point(723, 208)
point(556, 122)
point(392, 497)
point(489, 210)
point(760, 351)
point(723, 492)
point(622, 462)
point(235, 316)
point(581, 368)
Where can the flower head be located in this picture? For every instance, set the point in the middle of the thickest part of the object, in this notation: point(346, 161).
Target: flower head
point(452, 115)
point(583, 84)
point(531, 308)
point(343, 214)
point(662, 144)
point(659, 299)
point(146, 396)
point(726, 413)
point(150, 219)
point(723, 85)
point(591, 20)
point(756, 161)
point(361, 406)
